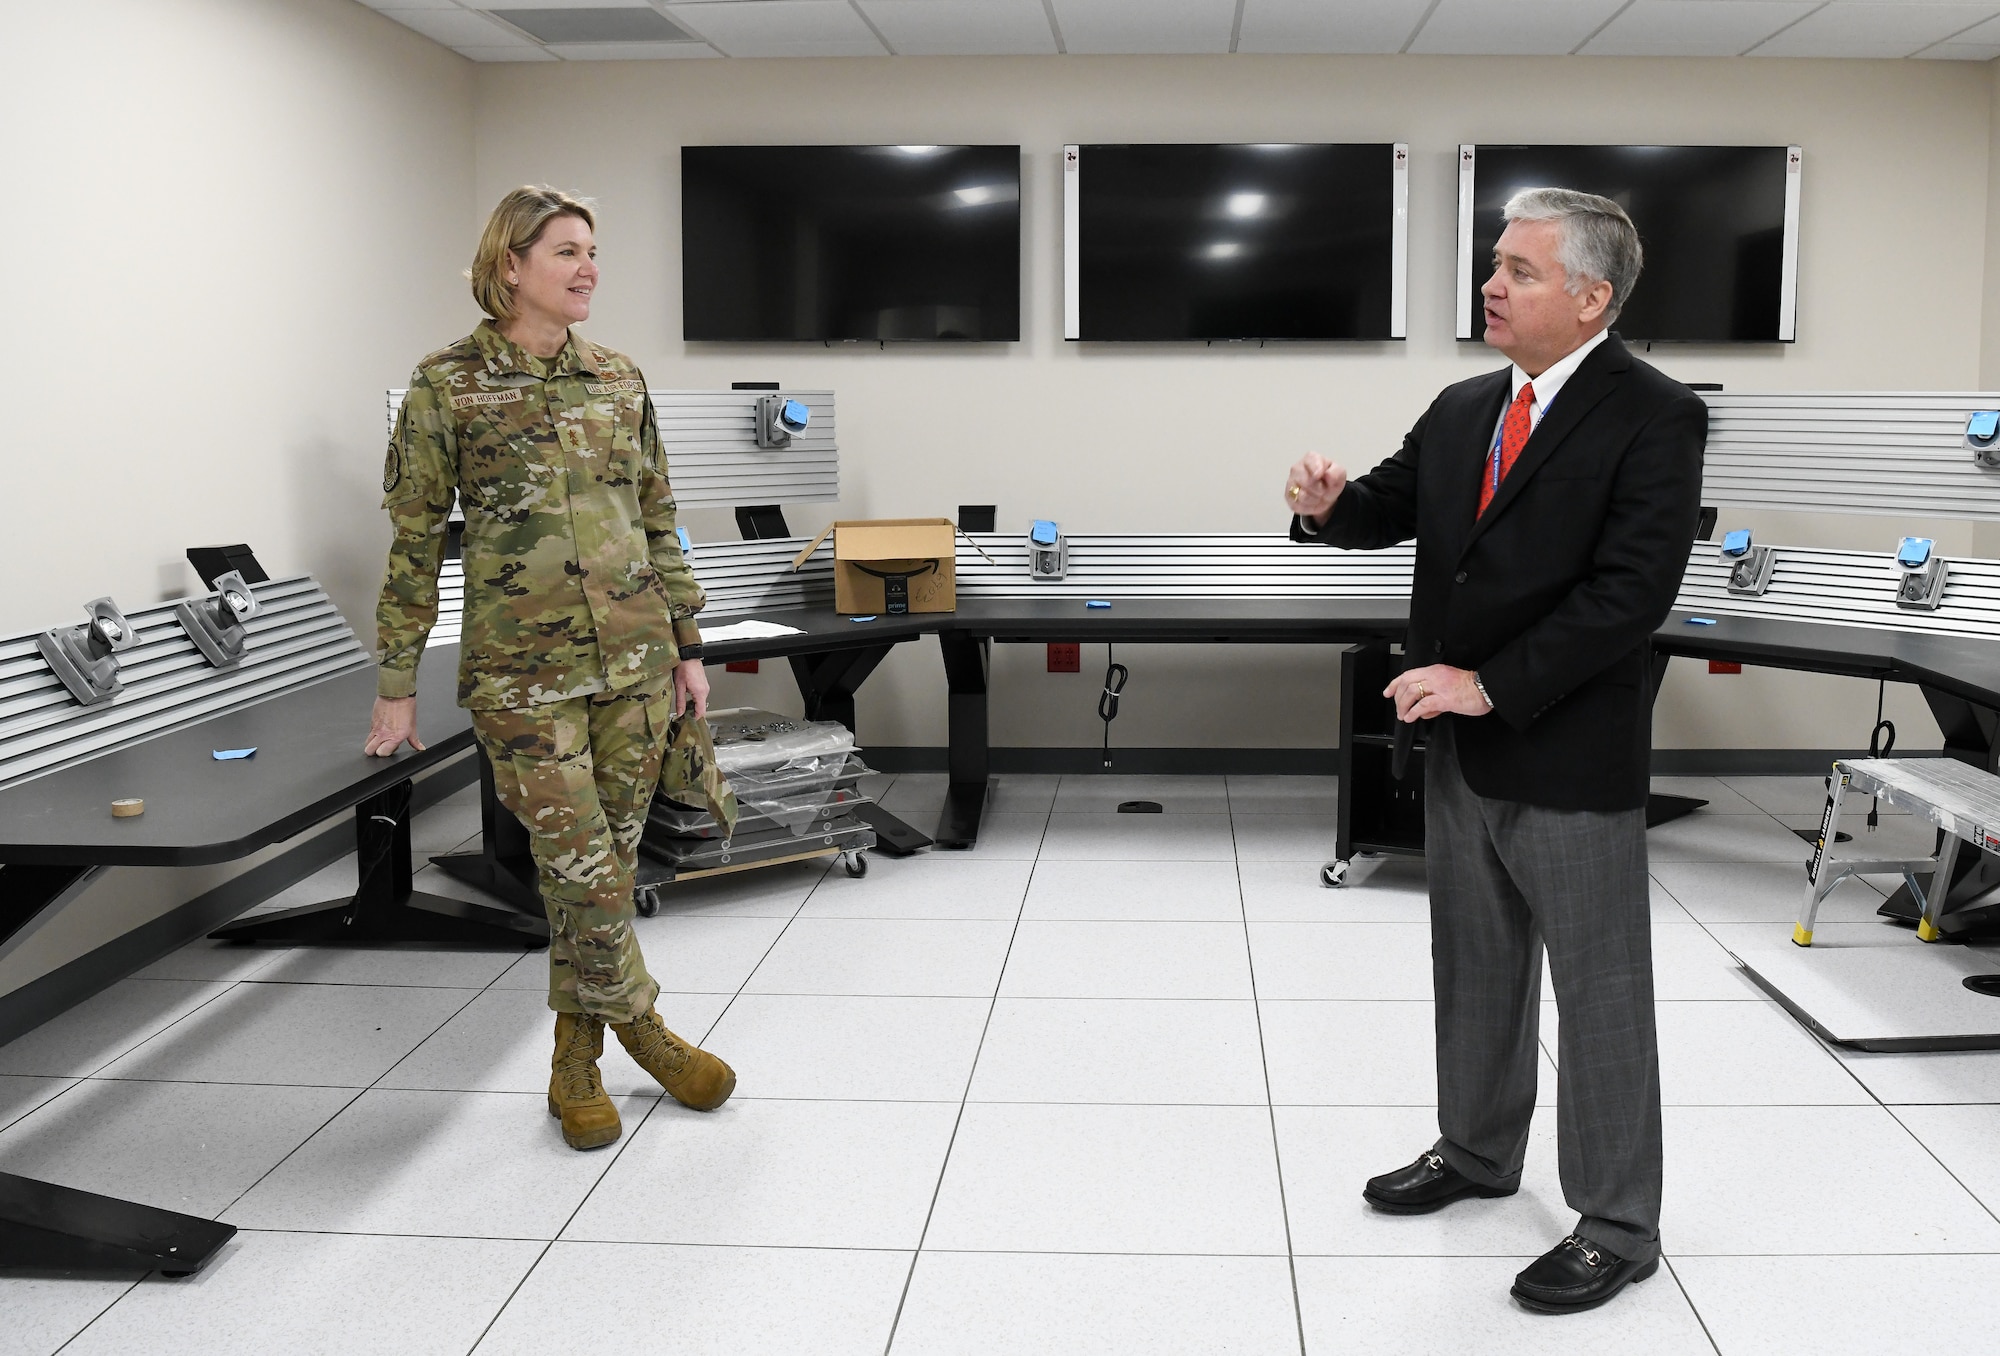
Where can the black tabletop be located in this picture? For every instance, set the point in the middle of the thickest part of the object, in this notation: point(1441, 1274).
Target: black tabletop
point(309, 766)
point(820, 629)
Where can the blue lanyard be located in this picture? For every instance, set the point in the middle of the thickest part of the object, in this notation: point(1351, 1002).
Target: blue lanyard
point(1501, 432)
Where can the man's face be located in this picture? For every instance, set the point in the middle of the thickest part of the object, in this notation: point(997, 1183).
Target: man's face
point(1530, 315)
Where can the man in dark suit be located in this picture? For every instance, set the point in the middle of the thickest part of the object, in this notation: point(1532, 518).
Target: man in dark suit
point(1553, 506)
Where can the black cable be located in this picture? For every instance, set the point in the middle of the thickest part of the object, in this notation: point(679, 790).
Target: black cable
point(1881, 739)
point(1115, 675)
point(382, 847)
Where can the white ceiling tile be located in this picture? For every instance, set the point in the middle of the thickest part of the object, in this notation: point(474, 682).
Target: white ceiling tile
point(527, 51)
point(1695, 27)
point(558, 4)
point(1145, 26)
point(1849, 29)
point(778, 28)
point(1980, 35)
point(963, 27)
point(1515, 28)
point(411, 4)
point(454, 26)
point(1318, 26)
point(1961, 51)
point(631, 51)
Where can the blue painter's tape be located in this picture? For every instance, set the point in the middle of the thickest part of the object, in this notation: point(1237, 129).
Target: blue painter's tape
point(1097, 602)
point(870, 617)
point(224, 755)
point(1701, 621)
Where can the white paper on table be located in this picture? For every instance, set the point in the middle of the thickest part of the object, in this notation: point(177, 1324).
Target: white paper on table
point(747, 630)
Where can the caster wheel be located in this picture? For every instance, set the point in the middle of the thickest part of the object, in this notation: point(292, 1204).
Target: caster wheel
point(648, 902)
point(1333, 875)
point(856, 866)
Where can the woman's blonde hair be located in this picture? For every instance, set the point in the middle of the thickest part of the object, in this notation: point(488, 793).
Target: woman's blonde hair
point(516, 224)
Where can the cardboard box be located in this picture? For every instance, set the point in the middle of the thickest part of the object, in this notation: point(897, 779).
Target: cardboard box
point(890, 566)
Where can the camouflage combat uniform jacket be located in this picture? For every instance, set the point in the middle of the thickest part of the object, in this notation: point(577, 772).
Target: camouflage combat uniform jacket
point(574, 578)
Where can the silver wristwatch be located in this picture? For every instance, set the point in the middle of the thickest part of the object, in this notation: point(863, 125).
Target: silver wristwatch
point(1484, 695)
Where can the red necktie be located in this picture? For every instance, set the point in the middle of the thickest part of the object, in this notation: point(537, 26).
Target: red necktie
point(1514, 430)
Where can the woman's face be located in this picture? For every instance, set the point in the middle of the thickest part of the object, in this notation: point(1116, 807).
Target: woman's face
point(553, 280)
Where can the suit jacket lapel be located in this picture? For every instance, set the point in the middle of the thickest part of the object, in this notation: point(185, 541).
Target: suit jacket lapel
point(1461, 478)
point(1590, 383)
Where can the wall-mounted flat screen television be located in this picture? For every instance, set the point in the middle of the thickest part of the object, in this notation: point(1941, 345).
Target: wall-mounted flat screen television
point(1282, 240)
point(850, 242)
point(1720, 227)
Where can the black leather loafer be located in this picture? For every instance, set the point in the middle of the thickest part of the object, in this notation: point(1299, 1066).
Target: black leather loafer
point(1576, 1275)
point(1428, 1184)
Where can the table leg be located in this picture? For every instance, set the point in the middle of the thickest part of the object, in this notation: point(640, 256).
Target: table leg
point(47, 1229)
point(504, 866)
point(968, 758)
point(385, 909)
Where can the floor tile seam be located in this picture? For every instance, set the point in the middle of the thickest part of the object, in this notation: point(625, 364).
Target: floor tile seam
point(513, 1290)
point(49, 1100)
point(287, 1156)
point(472, 996)
point(92, 1321)
point(1948, 1169)
point(1270, 1107)
point(1693, 1308)
point(474, 989)
point(229, 1083)
point(744, 987)
point(951, 1141)
point(228, 986)
point(716, 1246)
point(625, 1139)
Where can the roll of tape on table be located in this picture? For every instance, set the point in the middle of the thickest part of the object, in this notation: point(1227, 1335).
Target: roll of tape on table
point(127, 809)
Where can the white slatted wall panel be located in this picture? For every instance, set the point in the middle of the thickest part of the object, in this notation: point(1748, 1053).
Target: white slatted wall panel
point(712, 452)
point(1885, 452)
point(297, 637)
point(1185, 565)
point(1848, 588)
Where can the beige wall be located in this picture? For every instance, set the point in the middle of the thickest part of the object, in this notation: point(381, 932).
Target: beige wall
point(1121, 438)
point(235, 222)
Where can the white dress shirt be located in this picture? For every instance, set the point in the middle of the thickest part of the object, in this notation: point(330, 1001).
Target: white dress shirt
point(1548, 385)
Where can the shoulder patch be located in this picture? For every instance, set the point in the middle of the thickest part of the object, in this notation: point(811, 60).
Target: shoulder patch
point(612, 387)
point(392, 472)
point(468, 399)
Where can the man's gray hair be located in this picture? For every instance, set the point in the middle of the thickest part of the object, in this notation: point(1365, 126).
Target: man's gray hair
point(1597, 241)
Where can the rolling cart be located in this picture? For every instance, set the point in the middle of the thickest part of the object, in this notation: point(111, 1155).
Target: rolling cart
point(798, 789)
point(1376, 813)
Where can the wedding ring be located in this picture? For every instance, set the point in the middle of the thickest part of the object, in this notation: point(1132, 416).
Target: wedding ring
point(1422, 691)
point(1292, 492)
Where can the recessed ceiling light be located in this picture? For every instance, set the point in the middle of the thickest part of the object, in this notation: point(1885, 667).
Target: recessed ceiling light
point(1223, 249)
point(1245, 204)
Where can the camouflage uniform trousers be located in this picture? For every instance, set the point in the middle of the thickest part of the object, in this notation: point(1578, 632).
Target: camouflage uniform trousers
point(579, 775)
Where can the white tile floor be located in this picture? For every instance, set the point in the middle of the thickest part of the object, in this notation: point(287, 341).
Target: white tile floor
point(1105, 1084)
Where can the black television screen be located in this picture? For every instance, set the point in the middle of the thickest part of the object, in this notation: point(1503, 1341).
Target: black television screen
point(1719, 225)
point(850, 242)
point(1258, 241)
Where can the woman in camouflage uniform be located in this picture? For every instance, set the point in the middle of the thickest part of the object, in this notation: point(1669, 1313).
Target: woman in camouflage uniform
point(579, 643)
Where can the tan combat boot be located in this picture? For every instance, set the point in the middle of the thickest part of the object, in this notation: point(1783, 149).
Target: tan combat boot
point(693, 1077)
point(576, 1092)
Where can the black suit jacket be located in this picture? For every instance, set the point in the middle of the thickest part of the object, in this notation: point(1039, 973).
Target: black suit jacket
point(1552, 594)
